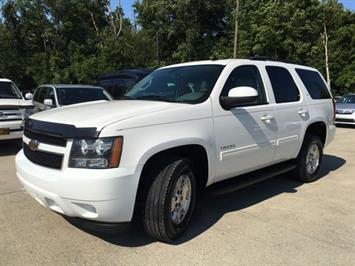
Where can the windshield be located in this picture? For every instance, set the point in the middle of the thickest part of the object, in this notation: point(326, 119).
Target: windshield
point(8, 90)
point(347, 99)
point(189, 84)
point(68, 95)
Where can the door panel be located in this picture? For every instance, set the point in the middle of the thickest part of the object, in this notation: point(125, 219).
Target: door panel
point(244, 141)
point(291, 112)
point(290, 124)
point(245, 136)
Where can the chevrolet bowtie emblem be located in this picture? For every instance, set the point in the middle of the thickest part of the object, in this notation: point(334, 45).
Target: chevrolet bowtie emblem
point(33, 145)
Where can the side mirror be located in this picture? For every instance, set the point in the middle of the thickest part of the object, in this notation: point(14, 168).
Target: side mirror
point(238, 97)
point(28, 96)
point(48, 102)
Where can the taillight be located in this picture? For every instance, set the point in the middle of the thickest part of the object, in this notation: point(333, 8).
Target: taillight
point(334, 110)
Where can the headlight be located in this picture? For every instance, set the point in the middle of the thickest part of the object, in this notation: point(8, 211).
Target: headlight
point(99, 153)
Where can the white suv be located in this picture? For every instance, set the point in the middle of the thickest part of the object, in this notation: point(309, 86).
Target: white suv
point(181, 129)
point(12, 110)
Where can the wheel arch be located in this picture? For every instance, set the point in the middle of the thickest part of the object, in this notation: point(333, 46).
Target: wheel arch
point(197, 152)
point(318, 128)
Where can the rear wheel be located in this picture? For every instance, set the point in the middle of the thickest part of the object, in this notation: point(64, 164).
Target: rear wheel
point(171, 200)
point(310, 159)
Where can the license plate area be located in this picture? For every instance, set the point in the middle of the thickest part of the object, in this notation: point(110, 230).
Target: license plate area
point(4, 131)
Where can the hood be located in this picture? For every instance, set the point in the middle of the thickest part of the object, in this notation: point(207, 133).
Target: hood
point(15, 102)
point(345, 106)
point(101, 114)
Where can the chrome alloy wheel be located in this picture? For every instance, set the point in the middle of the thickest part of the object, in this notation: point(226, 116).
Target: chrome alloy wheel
point(181, 199)
point(312, 159)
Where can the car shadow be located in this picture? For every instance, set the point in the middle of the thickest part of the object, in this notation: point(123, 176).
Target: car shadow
point(209, 209)
point(10, 147)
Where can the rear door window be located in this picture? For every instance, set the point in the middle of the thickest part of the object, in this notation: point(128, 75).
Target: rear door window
point(314, 84)
point(283, 85)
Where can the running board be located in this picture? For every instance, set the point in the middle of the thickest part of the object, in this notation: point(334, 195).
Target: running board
point(242, 181)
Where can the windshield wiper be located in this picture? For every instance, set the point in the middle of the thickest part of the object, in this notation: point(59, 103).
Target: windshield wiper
point(154, 98)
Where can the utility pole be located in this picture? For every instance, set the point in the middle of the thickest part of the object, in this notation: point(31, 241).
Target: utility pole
point(236, 30)
point(158, 47)
point(324, 37)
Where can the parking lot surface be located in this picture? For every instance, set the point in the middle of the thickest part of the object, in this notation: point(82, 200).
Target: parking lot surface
point(279, 221)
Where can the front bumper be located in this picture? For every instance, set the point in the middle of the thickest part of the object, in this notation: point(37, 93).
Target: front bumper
point(98, 195)
point(348, 119)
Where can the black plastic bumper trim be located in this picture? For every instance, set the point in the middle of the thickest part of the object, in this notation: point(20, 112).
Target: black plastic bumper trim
point(60, 130)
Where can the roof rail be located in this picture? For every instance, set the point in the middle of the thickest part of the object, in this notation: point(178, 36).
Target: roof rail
point(266, 58)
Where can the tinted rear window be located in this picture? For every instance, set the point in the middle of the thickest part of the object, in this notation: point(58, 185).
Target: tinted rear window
point(314, 84)
point(283, 85)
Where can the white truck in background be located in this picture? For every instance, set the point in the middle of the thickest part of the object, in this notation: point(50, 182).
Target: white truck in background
point(13, 108)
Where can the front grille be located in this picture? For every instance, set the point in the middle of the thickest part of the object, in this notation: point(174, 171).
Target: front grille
point(48, 139)
point(10, 115)
point(10, 119)
point(46, 159)
point(344, 112)
point(344, 120)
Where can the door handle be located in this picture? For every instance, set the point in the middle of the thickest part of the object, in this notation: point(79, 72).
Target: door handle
point(267, 118)
point(302, 112)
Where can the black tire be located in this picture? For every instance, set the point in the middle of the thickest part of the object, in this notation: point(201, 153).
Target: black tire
point(157, 218)
point(301, 171)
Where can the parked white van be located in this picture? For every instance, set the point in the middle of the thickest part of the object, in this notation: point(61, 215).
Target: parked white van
point(13, 107)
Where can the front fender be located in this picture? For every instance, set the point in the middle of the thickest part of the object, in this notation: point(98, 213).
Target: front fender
point(142, 143)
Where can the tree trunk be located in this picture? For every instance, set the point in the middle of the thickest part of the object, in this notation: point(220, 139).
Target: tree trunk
point(97, 30)
point(325, 37)
point(114, 18)
point(236, 30)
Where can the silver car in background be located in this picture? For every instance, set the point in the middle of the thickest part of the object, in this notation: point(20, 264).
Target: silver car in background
point(345, 110)
point(51, 96)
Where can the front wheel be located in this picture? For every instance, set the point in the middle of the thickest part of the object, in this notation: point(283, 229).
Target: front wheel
point(171, 200)
point(310, 159)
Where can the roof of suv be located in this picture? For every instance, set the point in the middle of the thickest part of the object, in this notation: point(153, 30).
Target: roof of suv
point(226, 62)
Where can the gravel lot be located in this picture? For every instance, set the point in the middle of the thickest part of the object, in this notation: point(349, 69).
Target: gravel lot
point(279, 221)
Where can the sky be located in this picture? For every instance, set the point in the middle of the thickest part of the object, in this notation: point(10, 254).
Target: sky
point(127, 5)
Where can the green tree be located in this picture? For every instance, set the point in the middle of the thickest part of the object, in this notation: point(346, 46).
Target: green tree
point(182, 29)
point(72, 41)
